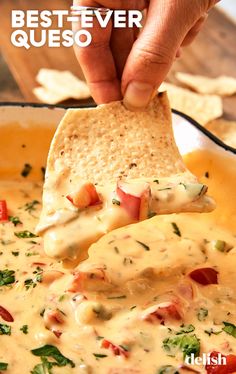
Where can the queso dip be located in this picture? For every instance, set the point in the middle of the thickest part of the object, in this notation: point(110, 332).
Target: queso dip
point(149, 297)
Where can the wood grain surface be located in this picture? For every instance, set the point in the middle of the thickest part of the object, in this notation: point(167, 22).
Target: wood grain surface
point(213, 53)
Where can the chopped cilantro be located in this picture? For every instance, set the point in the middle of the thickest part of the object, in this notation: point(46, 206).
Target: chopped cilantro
point(202, 314)
point(116, 297)
point(3, 366)
point(156, 181)
point(7, 277)
point(26, 170)
point(185, 329)
point(176, 229)
point(115, 202)
point(229, 328)
point(15, 253)
point(29, 254)
point(31, 206)
point(37, 279)
point(25, 234)
point(43, 368)
point(53, 352)
point(167, 369)
point(151, 214)
point(5, 329)
point(24, 329)
point(15, 220)
point(99, 355)
point(145, 246)
point(212, 332)
point(188, 344)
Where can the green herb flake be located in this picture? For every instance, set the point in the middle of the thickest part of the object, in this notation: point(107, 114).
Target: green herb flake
point(167, 369)
point(186, 329)
point(5, 329)
point(115, 202)
point(15, 220)
point(145, 246)
point(202, 314)
point(207, 174)
point(212, 332)
point(38, 275)
point(3, 366)
point(26, 170)
point(7, 277)
point(229, 328)
point(31, 206)
point(25, 234)
point(24, 329)
point(176, 229)
point(99, 355)
point(156, 181)
point(151, 214)
point(44, 368)
point(53, 352)
point(15, 253)
point(188, 344)
point(116, 297)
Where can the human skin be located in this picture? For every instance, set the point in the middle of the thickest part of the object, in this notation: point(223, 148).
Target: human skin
point(124, 64)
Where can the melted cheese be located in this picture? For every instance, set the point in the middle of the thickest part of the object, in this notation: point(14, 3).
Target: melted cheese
point(113, 293)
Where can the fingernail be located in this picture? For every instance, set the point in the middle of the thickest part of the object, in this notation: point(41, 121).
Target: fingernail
point(138, 95)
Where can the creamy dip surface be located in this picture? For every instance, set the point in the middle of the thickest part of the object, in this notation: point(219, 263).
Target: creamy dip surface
point(148, 296)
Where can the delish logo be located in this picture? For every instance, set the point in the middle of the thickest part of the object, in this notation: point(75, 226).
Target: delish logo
point(206, 359)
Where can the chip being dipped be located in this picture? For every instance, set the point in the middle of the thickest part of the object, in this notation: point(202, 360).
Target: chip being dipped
point(109, 167)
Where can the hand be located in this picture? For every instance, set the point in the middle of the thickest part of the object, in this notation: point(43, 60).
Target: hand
point(122, 63)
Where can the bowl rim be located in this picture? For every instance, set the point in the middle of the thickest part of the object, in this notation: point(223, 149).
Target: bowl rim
point(202, 129)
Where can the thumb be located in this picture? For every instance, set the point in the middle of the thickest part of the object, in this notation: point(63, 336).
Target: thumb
point(155, 49)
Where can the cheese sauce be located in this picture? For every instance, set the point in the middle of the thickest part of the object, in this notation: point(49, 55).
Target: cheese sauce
point(149, 295)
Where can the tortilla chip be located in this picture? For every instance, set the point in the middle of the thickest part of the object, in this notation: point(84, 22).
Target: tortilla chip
point(59, 86)
point(102, 146)
point(225, 130)
point(201, 108)
point(222, 85)
point(49, 97)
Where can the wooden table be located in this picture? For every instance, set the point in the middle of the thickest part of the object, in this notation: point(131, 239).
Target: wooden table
point(213, 53)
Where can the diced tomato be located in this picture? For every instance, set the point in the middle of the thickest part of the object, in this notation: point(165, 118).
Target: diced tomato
point(57, 333)
point(134, 198)
point(93, 280)
point(77, 283)
point(204, 276)
point(6, 315)
point(162, 312)
point(116, 349)
point(38, 264)
point(3, 211)
point(86, 195)
point(215, 368)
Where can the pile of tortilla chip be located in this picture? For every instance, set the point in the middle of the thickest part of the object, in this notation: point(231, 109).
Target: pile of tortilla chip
point(202, 101)
point(57, 86)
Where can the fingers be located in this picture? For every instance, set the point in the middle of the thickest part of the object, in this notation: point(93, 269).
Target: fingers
point(121, 44)
point(191, 35)
point(97, 62)
point(154, 51)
